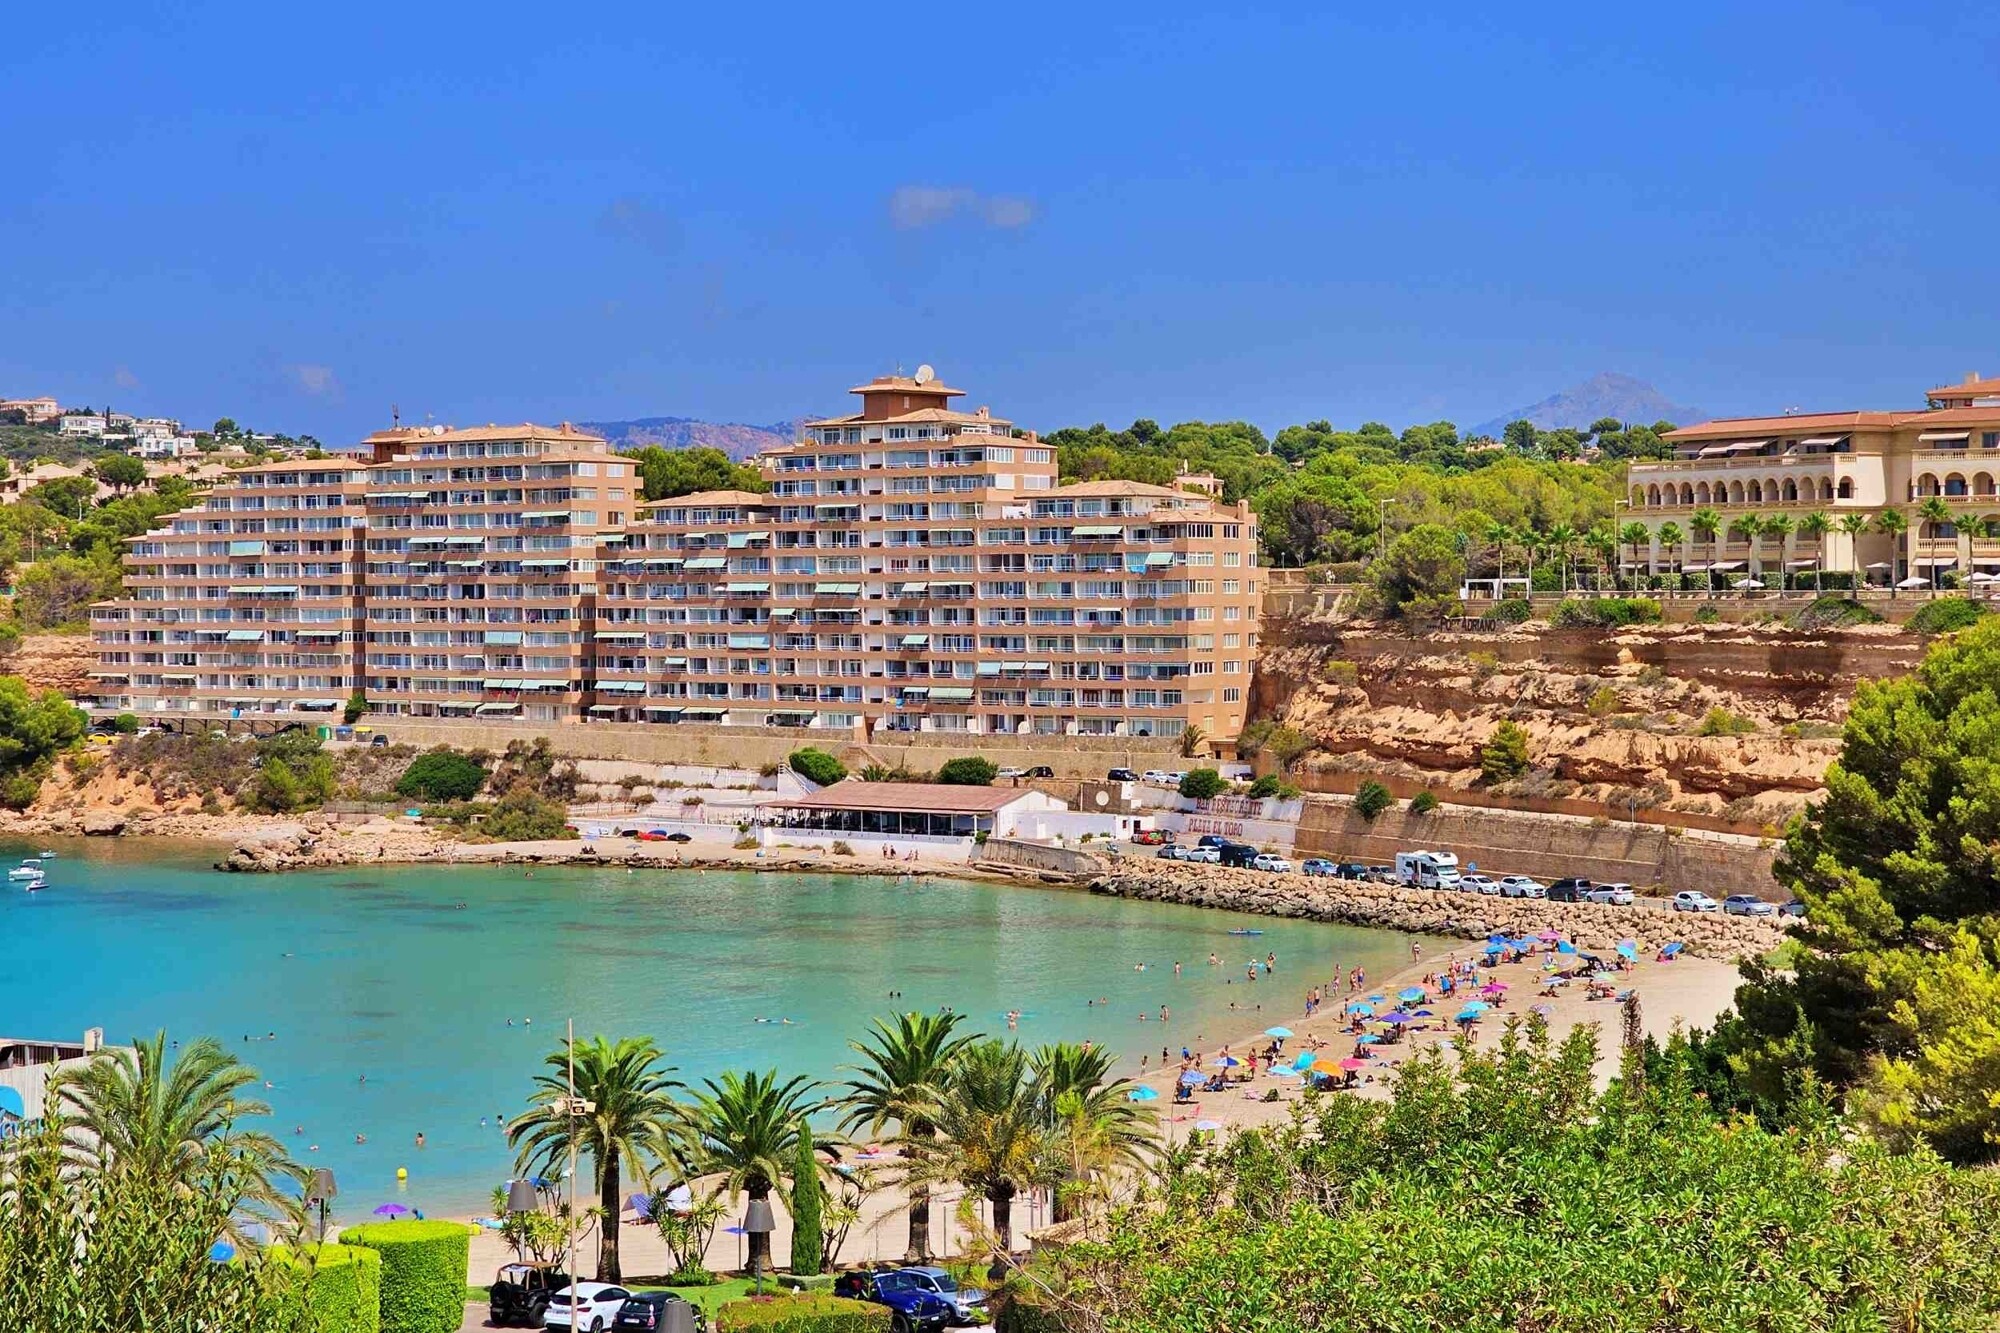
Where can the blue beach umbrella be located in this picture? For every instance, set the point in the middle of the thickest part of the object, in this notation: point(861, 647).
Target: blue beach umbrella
point(1305, 1060)
point(1410, 993)
point(1475, 1006)
point(1566, 947)
point(1627, 949)
point(1420, 1013)
point(1494, 950)
point(1143, 1095)
point(1374, 999)
point(1359, 1008)
point(1673, 948)
point(1469, 1013)
point(1189, 1078)
point(1278, 1032)
point(1396, 1019)
point(1225, 1062)
point(1497, 937)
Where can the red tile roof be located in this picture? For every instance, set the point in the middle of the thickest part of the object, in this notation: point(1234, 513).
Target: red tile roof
point(923, 797)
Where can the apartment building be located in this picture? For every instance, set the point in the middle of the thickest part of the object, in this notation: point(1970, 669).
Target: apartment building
point(913, 568)
point(1848, 466)
point(917, 568)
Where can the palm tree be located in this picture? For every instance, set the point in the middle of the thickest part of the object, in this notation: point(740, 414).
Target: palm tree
point(1633, 535)
point(1602, 539)
point(1780, 527)
point(1562, 541)
point(746, 1128)
point(1892, 524)
point(1854, 525)
point(1936, 514)
point(1747, 527)
point(1705, 523)
point(632, 1097)
point(992, 1135)
point(1814, 527)
point(175, 1128)
point(1098, 1126)
point(900, 1066)
point(1670, 540)
point(1499, 534)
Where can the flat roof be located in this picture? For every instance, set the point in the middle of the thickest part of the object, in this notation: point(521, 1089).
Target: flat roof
point(712, 498)
point(924, 797)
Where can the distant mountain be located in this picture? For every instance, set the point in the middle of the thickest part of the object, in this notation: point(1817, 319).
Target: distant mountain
point(1606, 395)
point(733, 438)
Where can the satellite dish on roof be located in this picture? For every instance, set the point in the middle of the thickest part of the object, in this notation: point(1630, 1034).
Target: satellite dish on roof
point(925, 374)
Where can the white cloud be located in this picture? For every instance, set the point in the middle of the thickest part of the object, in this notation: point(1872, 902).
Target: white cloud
point(915, 206)
point(124, 378)
point(319, 381)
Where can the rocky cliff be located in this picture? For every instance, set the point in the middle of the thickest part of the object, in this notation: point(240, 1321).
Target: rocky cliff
point(53, 662)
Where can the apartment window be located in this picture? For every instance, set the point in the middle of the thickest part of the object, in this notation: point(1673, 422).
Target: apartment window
point(1232, 640)
point(1989, 439)
point(1232, 694)
point(1232, 668)
point(1232, 559)
point(1231, 588)
point(1232, 613)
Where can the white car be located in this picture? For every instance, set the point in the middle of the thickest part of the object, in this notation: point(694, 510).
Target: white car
point(1157, 778)
point(1206, 855)
point(1694, 900)
point(1272, 862)
point(597, 1304)
point(1617, 895)
point(1520, 886)
point(1478, 884)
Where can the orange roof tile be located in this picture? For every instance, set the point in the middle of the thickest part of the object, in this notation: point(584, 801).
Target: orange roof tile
point(1973, 387)
point(905, 384)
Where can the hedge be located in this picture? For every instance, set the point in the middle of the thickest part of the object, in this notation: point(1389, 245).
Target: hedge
point(1607, 612)
point(423, 1272)
point(344, 1291)
point(802, 1314)
point(1945, 615)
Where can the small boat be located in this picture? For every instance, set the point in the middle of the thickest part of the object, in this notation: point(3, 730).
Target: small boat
point(46, 856)
point(26, 870)
point(1246, 932)
point(36, 884)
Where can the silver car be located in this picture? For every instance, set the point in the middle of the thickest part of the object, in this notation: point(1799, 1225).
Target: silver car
point(1206, 855)
point(1520, 886)
point(1478, 884)
point(1617, 895)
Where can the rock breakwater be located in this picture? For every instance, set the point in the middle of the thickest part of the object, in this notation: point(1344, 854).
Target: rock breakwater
point(1468, 916)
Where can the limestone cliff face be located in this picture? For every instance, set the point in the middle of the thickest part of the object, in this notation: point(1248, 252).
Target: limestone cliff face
point(1611, 716)
point(53, 662)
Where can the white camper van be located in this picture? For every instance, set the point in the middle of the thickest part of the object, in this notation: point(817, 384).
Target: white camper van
point(1427, 870)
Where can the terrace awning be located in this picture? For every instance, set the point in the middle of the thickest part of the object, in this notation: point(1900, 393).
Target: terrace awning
point(1160, 558)
point(989, 668)
point(836, 590)
point(951, 694)
point(545, 564)
point(623, 686)
point(739, 540)
point(246, 548)
point(708, 562)
point(746, 587)
point(749, 641)
point(561, 515)
point(916, 689)
point(705, 712)
point(605, 708)
point(246, 636)
point(1098, 530)
point(1820, 442)
point(498, 684)
point(1938, 436)
point(465, 541)
point(912, 587)
point(674, 662)
point(318, 705)
point(497, 708)
point(547, 685)
point(1801, 564)
point(457, 705)
point(916, 640)
point(664, 708)
point(504, 637)
point(1932, 561)
point(620, 635)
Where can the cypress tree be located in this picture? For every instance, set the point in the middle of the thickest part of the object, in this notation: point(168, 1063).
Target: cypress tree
point(807, 1195)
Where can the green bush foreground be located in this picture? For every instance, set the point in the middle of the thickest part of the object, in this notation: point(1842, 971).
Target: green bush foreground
point(423, 1272)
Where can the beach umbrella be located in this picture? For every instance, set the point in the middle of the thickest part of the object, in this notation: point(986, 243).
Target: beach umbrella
point(1367, 1039)
point(1548, 937)
point(1627, 949)
point(1915, 581)
point(1475, 1007)
point(1359, 1008)
point(1350, 1063)
point(1189, 1078)
point(1305, 1060)
point(391, 1210)
point(681, 1198)
point(1494, 988)
point(641, 1205)
point(1545, 1010)
point(1468, 1014)
point(1420, 1013)
point(1225, 1062)
point(1605, 977)
point(1411, 994)
point(1278, 1032)
point(1396, 1019)
point(1565, 947)
point(1151, 1094)
point(1673, 948)
point(1375, 999)
point(1208, 1126)
point(1497, 937)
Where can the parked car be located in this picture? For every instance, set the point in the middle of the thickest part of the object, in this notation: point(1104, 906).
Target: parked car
point(1153, 837)
point(678, 836)
point(519, 1296)
point(1478, 884)
point(1315, 866)
point(378, 739)
point(1121, 775)
point(1351, 870)
point(1571, 890)
point(652, 835)
point(969, 1303)
point(914, 1308)
point(1382, 874)
point(1793, 908)
point(1615, 895)
point(647, 1310)
point(1206, 855)
point(1272, 862)
point(1521, 886)
point(1694, 900)
point(1156, 777)
point(1211, 840)
point(597, 1304)
point(1237, 853)
point(1036, 771)
point(1171, 853)
point(1744, 904)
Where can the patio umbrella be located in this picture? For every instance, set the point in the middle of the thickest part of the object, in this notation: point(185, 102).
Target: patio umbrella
point(1350, 1063)
point(1151, 1095)
point(1749, 583)
point(1189, 1078)
point(391, 1210)
point(1225, 1062)
point(1673, 948)
point(1278, 1032)
point(1208, 1126)
point(1915, 581)
point(1359, 1008)
point(1410, 993)
point(1396, 1020)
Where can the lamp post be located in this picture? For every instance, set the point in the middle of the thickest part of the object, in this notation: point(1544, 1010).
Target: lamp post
point(572, 1107)
point(757, 1221)
point(320, 1190)
point(522, 1197)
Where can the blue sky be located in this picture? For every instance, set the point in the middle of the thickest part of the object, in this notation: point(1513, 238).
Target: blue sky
point(301, 214)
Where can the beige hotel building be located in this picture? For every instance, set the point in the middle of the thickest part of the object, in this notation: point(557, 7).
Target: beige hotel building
point(912, 568)
point(1839, 464)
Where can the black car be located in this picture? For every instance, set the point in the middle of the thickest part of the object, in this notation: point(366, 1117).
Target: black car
point(1237, 853)
point(1350, 870)
point(1121, 775)
point(678, 836)
point(1571, 890)
point(661, 1311)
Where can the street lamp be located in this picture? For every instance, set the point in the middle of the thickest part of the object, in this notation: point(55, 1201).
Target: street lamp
point(757, 1221)
point(522, 1197)
point(571, 1107)
point(320, 1190)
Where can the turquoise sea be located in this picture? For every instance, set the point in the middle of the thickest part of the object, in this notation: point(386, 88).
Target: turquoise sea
point(409, 976)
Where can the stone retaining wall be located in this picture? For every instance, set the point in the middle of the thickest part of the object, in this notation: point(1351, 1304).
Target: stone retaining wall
point(1035, 856)
point(1426, 912)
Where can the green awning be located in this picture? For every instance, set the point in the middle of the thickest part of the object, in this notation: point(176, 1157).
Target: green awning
point(913, 587)
point(623, 686)
point(950, 694)
point(836, 590)
point(246, 636)
point(246, 548)
point(989, 668)
point(316, 633)
point(708, 562)
point(746, 587)
point(749, 641)
point(739, 540)
point(1160, 558)
point(1098, 531)
point(501, 636)
point(502, 684)
point(916, 640)
point(496, 708)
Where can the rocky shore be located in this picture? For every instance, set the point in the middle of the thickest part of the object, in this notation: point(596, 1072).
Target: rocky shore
point(1428, 912)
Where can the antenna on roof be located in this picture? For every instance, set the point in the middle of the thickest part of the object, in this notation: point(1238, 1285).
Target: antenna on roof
point(395, 416)
point(925, 374)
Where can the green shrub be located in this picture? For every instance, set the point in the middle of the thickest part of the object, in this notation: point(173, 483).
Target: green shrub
point(808, 1194)
point(1505, 754)
point(968, 771)
point(423, 1272)
point(1606, 612)
point(816, 766)
point(811, 1313)
point(1371, 798)
point(1946, 615)
point(1706, 615)
point(1508, 611)
point(1423, 803)
point(356, 706)
point(443, 774)
point(1603, 702)
point(1722, 722)
point(1341, 672)
point(1202, 783)
point(344, 1289)
point(125, 724)
point(1268, 785)
point(1833, 612)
